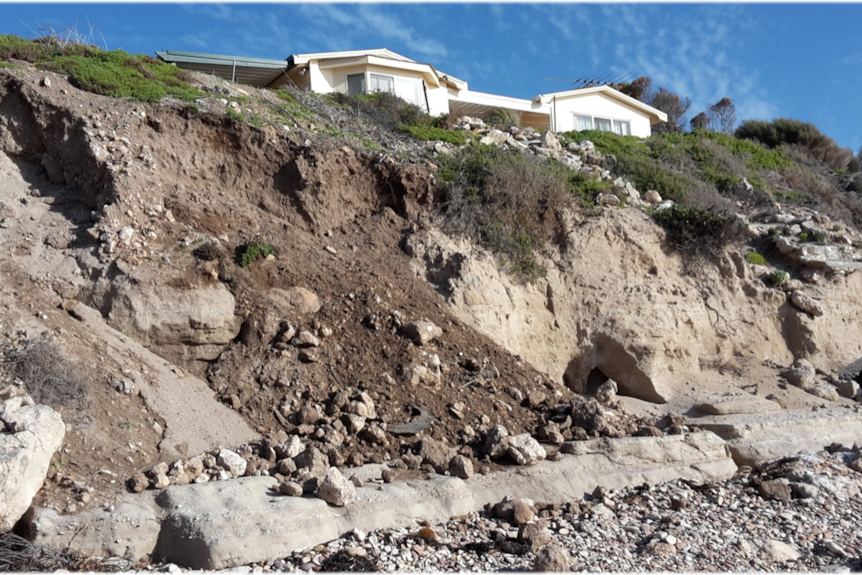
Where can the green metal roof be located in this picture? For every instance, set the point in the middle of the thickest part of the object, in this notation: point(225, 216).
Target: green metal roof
point(241, 69)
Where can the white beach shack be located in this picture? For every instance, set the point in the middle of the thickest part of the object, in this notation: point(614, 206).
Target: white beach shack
point(368, 71)
point(600, 108)
point(380, 70)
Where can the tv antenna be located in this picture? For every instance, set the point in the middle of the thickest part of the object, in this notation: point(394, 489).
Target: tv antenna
point(592, 80)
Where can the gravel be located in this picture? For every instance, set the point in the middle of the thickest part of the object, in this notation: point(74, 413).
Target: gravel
point(675, 526)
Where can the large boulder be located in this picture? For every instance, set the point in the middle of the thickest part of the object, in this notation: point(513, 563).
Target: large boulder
point(29, 436)
point(632, 362)
point(176, 323)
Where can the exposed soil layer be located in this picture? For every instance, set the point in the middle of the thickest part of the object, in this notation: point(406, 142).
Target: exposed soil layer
point(103, 199)
point(85, 167)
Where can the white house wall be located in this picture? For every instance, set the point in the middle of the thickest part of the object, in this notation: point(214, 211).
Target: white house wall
point(438, 101)
point(602, 106)
point(321, 80)
point(335, 80)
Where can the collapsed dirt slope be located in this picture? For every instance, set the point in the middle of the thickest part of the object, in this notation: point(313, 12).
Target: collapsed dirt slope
point(143, 213)
point(126, 192)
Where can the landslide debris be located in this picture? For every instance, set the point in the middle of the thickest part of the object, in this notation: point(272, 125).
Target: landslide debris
point(309, 267)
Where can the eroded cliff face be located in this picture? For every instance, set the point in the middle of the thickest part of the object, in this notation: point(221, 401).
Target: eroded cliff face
point(616, 300)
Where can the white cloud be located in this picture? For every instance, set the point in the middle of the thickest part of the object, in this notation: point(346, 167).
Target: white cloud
point(336, 26)
point(222, 12)
point(693, 51)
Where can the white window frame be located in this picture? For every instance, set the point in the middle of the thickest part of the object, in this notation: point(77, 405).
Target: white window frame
point(373, 75)
point(625, 127)
point(597, 119)
point(614, 123)
point(417, 98)
point(582, 117)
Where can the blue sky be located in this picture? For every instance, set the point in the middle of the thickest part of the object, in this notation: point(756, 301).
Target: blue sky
point(800, 61)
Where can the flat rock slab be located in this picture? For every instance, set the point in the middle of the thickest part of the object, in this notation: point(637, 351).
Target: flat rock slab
point(225, 524)
point(727, 406)
point(613, 464)
point(755, 439)
point(230, 523)
point(130, 531)
point(195, 420)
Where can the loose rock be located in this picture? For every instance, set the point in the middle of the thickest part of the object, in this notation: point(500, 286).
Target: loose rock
point(335, 489)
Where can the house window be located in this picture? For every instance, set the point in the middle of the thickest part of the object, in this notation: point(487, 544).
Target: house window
point(355, 84)
point(603, 124)
point(623, 128)
point(410, 90)
point(382, 83)
point(583, 122)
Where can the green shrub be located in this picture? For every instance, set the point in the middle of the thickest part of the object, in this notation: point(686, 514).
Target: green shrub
point(426, 133)
point(608, 142)
point(250, 252)
point(779, 278)
point(813, 237)
point(696, 232)
point(505, 200)
point(803, 135)
point(586, 188)
point(638, 161)
point(255, 120)
point(234, 115)
point(210, 251)
point(15, 47)
point(755, 258)
point(503, 117)
point(758, 157)
point(386, 110)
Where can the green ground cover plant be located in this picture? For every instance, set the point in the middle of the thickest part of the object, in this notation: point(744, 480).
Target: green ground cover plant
point(252, 251)
point(756, 259)
point(111, 73)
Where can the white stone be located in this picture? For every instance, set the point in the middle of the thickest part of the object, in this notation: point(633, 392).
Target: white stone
point(421, 332)
point(848, 388)
point(607, 391)
point(780, 552)
point(525, 450)
point(608, 199)
point(126, 234)
point(550, 141)
point(34, 433)
point(336, 489)
point(552, 558)
point(232, 462)
point(293, 446)
point(652, 197)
